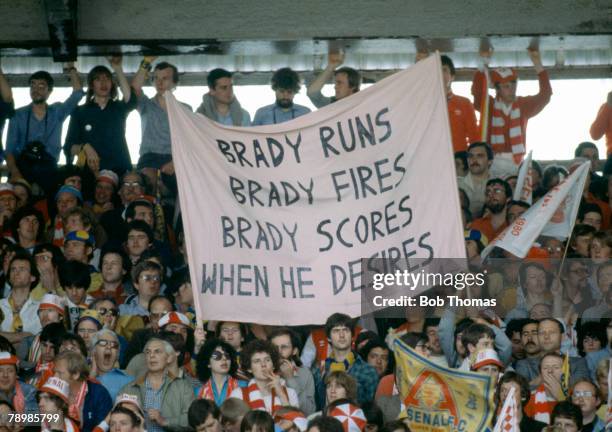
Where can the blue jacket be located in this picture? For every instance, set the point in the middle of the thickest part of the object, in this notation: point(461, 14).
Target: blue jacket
point(98, 404)
point(29, 394)
point(364, 374)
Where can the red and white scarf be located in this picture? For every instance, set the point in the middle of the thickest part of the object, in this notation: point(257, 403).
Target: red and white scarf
point(19, 399)
point(44, 370)
point(540, 405)
point(206, 391)
point(75, 409)
point(253, 397)
point(58, 232)
point(507, 120)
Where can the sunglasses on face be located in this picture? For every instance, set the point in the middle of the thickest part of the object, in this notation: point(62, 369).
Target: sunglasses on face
point(105, 311)
point(106, 343)
point(218, 355)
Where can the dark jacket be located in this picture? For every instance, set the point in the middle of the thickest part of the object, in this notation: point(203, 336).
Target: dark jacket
point(97, 405)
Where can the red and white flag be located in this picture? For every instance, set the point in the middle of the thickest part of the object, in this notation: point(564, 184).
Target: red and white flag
point(352, 417)
point(524, 183)
point(553, 215)
point(508, 416)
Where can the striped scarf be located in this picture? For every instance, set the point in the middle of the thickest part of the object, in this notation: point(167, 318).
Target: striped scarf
point(19, 399)
point(502, 123)
point(75, 409)
point(43, 372)
point(58, 232)
point(540, 405)
point(34, 354)
point(253, 397)
point(207, 391)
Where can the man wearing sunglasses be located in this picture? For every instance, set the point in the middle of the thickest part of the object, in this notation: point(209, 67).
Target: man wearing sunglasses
point(104, 362)
point(123, 325)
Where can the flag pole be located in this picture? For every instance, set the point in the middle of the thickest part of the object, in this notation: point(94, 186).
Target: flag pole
point(569, 239)
point(565, 251)
point(484, 103)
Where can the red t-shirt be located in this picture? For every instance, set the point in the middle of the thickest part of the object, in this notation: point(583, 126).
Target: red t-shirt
point(462, 117)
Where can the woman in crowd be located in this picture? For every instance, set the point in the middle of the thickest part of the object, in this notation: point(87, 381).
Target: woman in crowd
point(216, 368)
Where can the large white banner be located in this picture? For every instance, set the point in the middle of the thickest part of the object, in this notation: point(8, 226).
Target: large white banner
point(278, 218)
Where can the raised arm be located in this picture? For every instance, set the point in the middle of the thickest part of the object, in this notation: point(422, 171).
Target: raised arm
point(536, 59)
point(479, 77)
point(333, 61)
point(142, 74)
point(532, 105)
point(73, 75)
point(602, 122)
point(116, 62)
point(5, 89)
point(68, 106)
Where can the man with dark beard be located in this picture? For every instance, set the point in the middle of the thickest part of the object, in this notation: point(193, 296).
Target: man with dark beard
point(498, 193)
point(479, 158)
point(286, 84)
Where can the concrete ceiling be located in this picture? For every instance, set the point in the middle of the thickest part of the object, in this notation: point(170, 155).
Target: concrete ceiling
point(231, 20)
point(575, 36)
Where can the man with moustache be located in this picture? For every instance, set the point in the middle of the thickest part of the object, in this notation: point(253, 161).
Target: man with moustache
point(480, 158)
point(286, 84)
point(531, 347)
point(498, 193)
point(550, 338)
point(33, 142)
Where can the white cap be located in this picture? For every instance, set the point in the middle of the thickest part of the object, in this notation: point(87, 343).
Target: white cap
point(52, 301)
point(485, 357)
point(174, 318)
point(58, 387)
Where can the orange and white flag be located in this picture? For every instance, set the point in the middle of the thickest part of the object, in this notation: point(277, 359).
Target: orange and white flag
point(524, 183)
point(508, 416)
point(553, 215)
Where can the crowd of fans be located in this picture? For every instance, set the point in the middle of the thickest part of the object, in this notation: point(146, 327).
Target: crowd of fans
point(97, 313)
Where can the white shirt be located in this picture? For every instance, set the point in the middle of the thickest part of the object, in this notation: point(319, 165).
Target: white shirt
point(28, 314)
point(476, 192)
